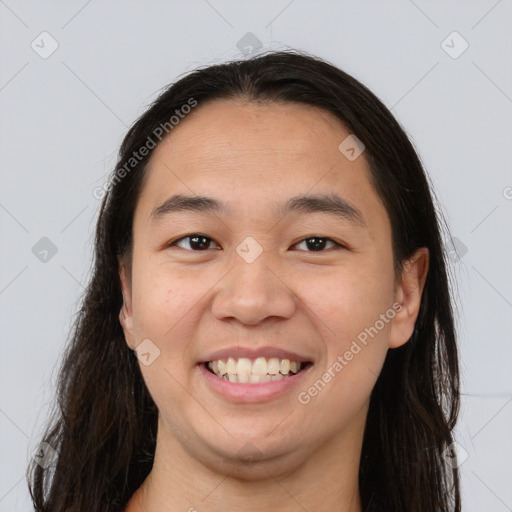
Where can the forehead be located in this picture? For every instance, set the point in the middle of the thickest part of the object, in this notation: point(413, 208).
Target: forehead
point(255, 129)
point(252, 153)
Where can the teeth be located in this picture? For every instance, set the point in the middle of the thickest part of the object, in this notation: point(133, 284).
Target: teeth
point(259, 367)
point(273, 366)
point(245, 370)
point(231, 365)
point(243, 367)
point(222, 369)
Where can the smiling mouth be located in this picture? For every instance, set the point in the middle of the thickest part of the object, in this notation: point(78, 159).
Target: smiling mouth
point(254, 371)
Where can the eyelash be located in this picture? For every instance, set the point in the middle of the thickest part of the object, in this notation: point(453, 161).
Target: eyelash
point(337, 245)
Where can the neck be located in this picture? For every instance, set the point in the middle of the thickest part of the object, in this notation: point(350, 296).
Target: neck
point(326, 480)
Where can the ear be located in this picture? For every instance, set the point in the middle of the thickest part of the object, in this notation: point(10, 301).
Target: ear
point(408, 295)
point(126, 313)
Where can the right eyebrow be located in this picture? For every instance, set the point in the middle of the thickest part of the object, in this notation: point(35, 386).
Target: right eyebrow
point(330, 204)
point(179, 202)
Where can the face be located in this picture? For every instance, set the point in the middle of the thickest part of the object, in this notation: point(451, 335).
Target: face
point(265, 319)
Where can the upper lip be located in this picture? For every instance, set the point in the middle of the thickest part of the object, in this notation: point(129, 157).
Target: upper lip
point(252, 353)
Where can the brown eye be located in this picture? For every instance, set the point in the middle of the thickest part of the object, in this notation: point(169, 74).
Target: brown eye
point(318, 243)
point(196, 241)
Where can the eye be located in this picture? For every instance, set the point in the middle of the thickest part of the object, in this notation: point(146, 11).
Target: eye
point(200, 242)
point(197, 241)
point(318, 243)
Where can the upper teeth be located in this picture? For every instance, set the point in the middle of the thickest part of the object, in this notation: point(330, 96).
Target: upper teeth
point(257, 370)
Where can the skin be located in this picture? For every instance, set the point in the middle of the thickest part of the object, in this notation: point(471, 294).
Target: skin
point(190, 302)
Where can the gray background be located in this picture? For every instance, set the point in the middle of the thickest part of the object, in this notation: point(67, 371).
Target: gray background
point(64, 116)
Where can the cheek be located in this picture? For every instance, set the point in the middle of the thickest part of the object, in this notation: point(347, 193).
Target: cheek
point(161, 308)
point(349, 301)
point(160, 300)
point(347, 315)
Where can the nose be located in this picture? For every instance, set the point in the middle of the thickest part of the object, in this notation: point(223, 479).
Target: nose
point(253, 292)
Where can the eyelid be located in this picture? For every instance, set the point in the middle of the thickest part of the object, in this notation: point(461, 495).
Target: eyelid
point(338, 245)
point(191, 235)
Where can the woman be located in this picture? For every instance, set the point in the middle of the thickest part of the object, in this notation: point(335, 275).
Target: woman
point(269, 323)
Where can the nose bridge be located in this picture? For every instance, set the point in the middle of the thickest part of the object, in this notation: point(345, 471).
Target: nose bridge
point(253, 290)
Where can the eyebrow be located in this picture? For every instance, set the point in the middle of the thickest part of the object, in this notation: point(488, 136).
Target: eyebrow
point(331, 204)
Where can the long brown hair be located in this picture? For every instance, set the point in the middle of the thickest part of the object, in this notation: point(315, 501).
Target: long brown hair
point(103, 425)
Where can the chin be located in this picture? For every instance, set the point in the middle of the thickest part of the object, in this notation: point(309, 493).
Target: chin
point(253, 457)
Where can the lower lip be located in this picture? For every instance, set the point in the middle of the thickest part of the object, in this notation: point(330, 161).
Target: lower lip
point(251, 393)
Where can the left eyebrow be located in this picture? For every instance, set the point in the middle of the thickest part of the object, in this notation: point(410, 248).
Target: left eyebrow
point(331, 204)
